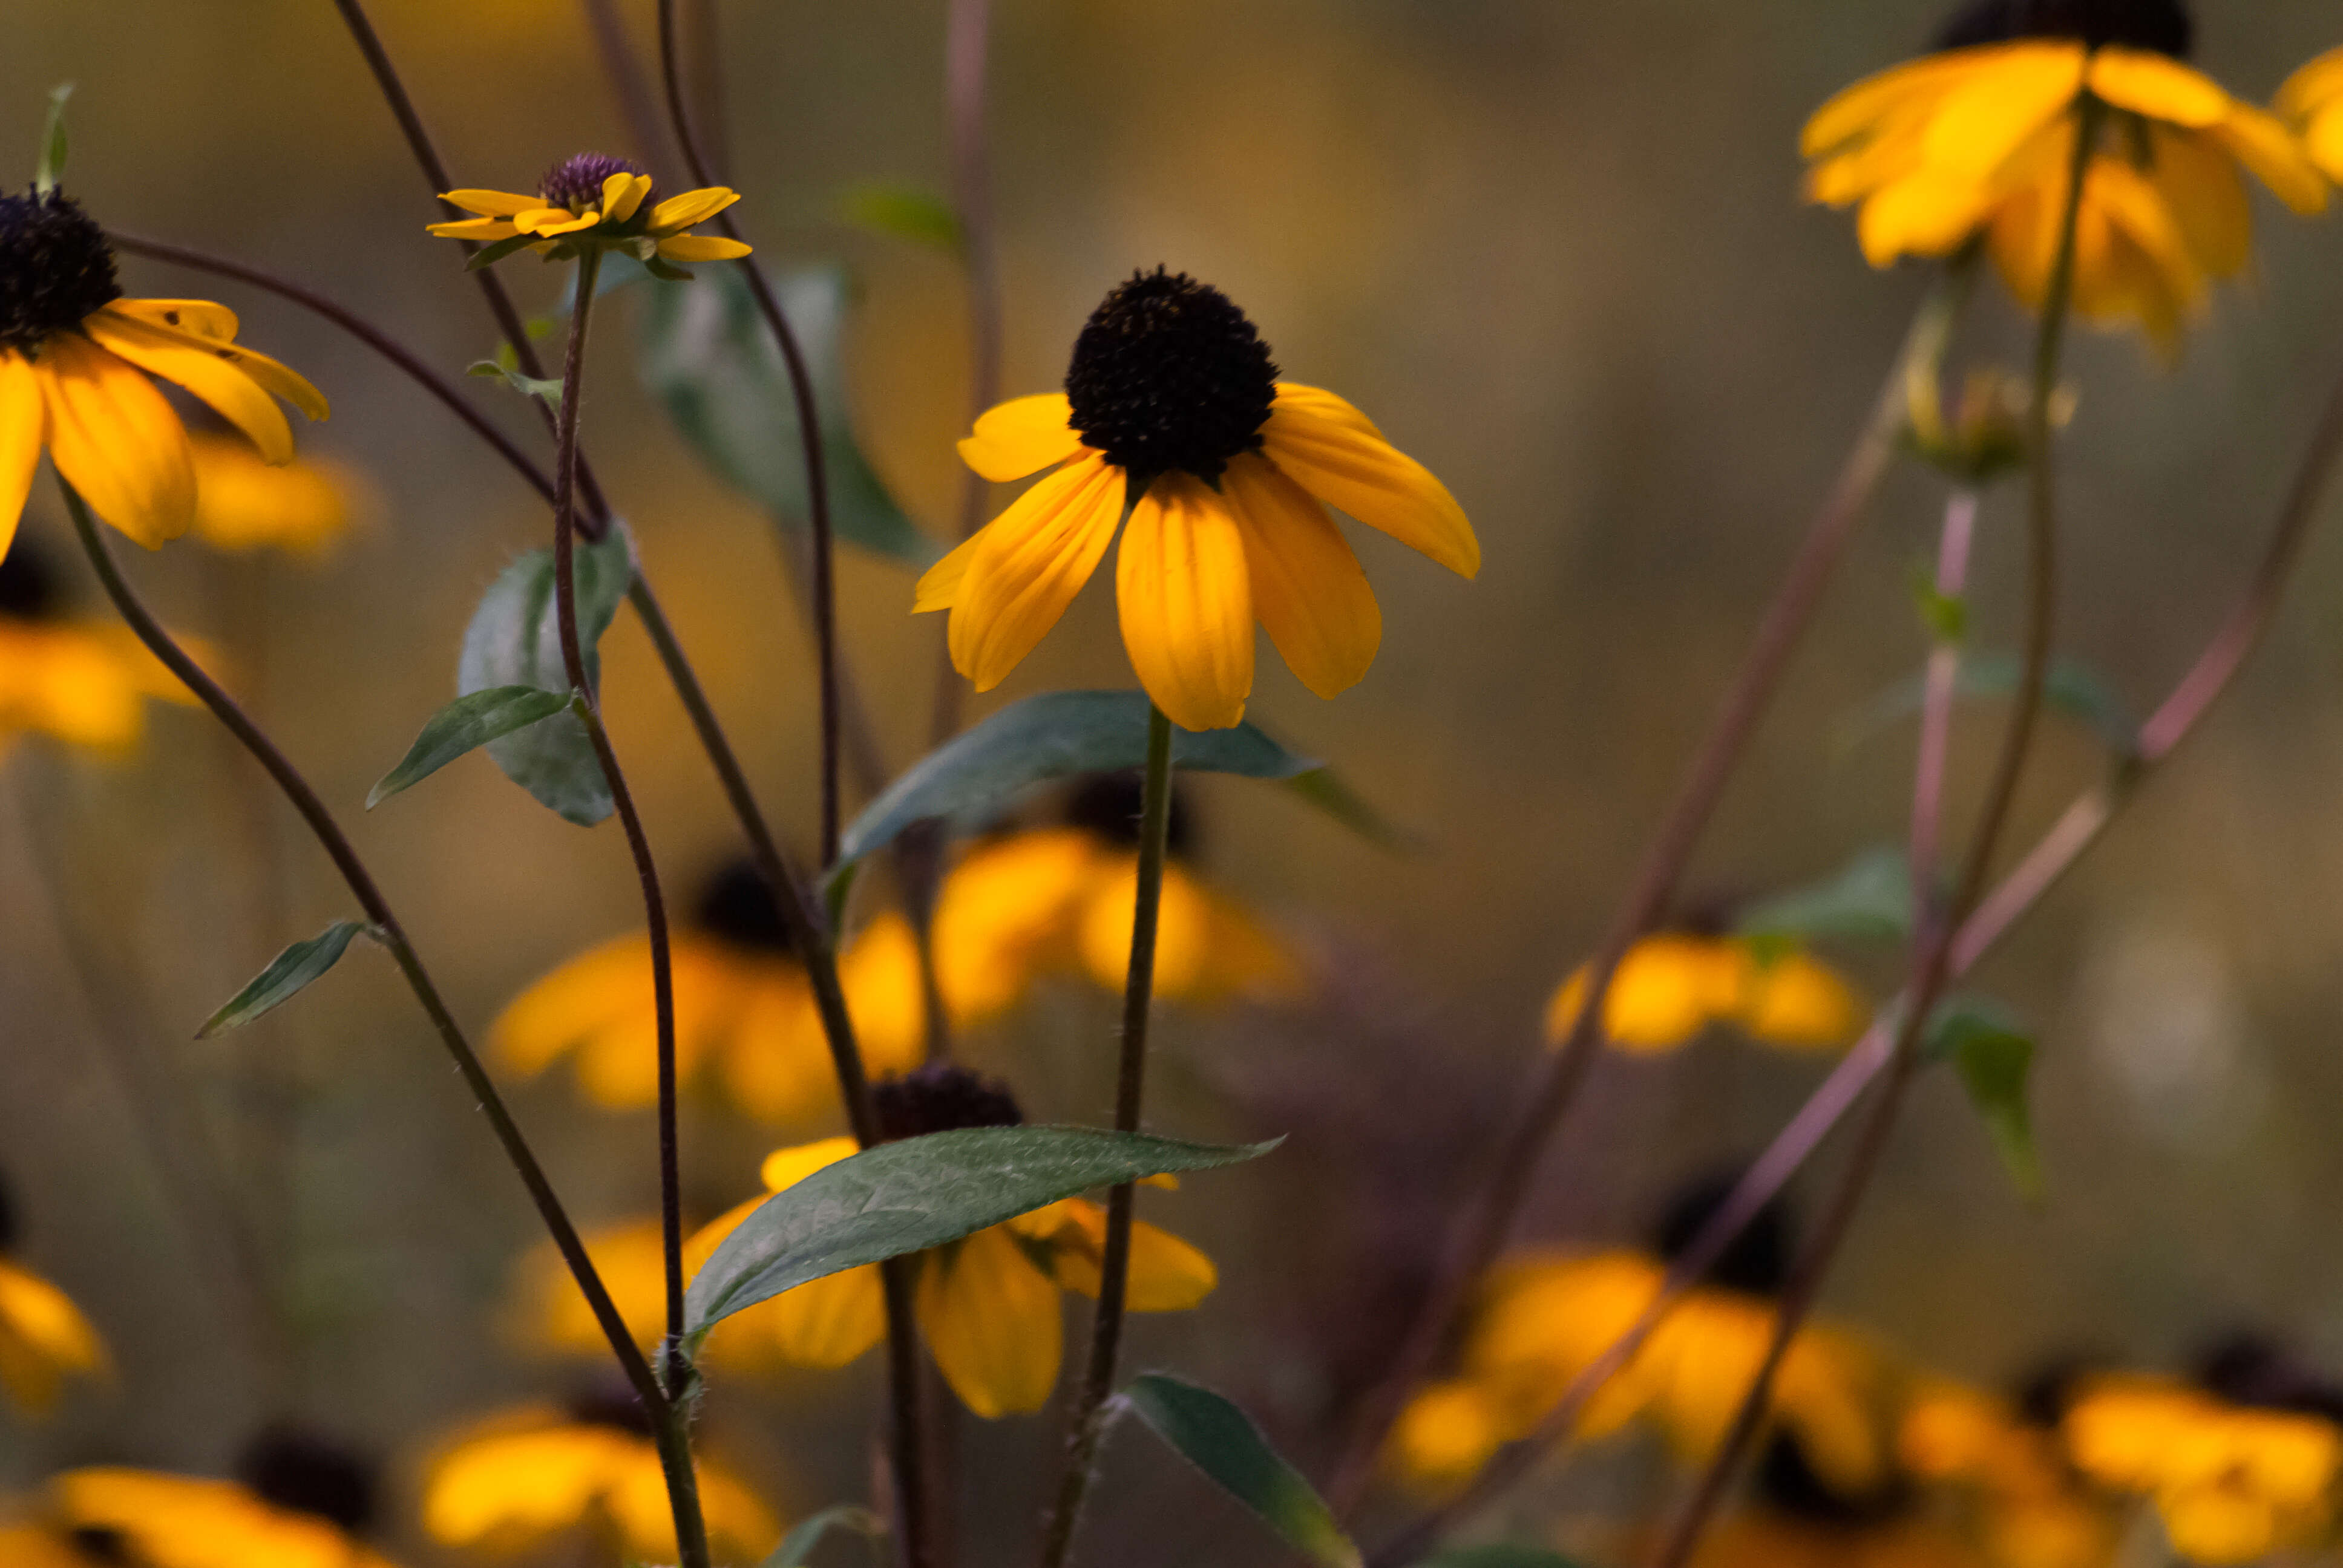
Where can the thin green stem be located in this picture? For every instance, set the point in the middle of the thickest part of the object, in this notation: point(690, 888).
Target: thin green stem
point(1088, 1425)
point(391, 935)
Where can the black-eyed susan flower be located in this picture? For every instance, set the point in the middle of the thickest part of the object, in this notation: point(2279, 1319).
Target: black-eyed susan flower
point(1796, 1518)
point(1669, 986)
point(85, 683)
point(549, 1313)
point(526, 1477)
point(987, 1305)
point(2001, 1470)
point(1977, 139)
point(1060, 898)
point(299, 1502)
point(75, 362)
point(243, 503)
point(44, 1337)
point(1544, 1317)
point(2311, 102)
point(1174, 414)
point(744, 1008)
point(593, 201)
point(2235, 1475)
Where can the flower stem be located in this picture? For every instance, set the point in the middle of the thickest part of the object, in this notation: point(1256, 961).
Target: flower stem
point(1940, 686)
point(391, 935)
point(1088, 1425)
point(1488, 1215)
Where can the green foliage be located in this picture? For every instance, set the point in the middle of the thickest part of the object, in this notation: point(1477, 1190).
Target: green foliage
point(2068, 687)
point(514, 639)
point(1994, 1056)
point(799, 1542)
point(1869, 900)
point(1219, 1439)
point(470, 721)
point(545, 389)
point(1059, 734)
point(51, 166)
point(901, 211)
point(922, 1192)
point(1945, 616)
point(709, 357)
point(287, 974)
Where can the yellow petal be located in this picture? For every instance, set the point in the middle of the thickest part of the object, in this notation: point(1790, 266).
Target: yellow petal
point(777, 1062)
point(1446, 1435)
point(554, 220)
point(1924, 213)
point(1006, 913)
point(1308, 588)
point(2275, 157)
point(559, 1010)
point(1031, 562)
point(482, 229)
point(212, 322)
point(245, 503)
point(680, 212)
point(825, 1323)
point(690, 248)
point(2312, 87)
point(43, 1338)
point(24, 430)
point(1186, 603)
point(2157, 86)
point(1799, 1001)
point(785, 1168)
point(993, 1323)
point(938, 586)
point(1331, 450)
point(187, 322)
point(1665, 990)
point(1021, 437)
point(493, 204)
point(880, 971)
point(511, 1489)
point(1185, 930)
point(622, 193)
point(2322, 140)
point(1167, 1274)
point(2202, 189)
point(1854, 111)
point(551, 1312)
point(233, 395)
point(1990, 115)
point(117, 440)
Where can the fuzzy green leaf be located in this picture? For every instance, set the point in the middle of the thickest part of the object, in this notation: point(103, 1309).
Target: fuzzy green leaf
point(547, 389)
point(1219, 1439)
point(1869, 900)
point(285, 976)
point(468, 722)
point(1993, 1054)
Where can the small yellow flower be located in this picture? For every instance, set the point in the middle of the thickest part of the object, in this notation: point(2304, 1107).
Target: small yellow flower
point(44, 1338)
point(1173, 413)
point(2312, 102)
point(1979, 139)
point(743, 1005)
point(521, 1479)
point(82, 682)
point(2007, 1474)
point(301, 1504)
point(75, 362)
point(2232, 1483)
point(243, 503)
point(1672, 986)
point(987, 1305)
point(599, 202)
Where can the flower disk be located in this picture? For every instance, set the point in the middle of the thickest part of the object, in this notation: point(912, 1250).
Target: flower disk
point(1168, 375)
point(29, 591)
point(2163, 25)
point(738, 907)
point(307, 1473)
point(941, 1098)
point(576, 183)
point(56, 268)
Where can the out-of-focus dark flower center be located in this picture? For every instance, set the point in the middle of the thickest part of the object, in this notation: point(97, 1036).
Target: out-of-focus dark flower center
point(738, 906)
point(1108, 804)
point(29, 591)
point(308, 1473)
point(1169, 375)
point(2164, 26)
point(941, 1098)
point(56, 268)
point(1758, 1259)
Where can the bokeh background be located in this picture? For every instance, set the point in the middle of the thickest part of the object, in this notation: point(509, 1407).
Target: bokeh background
point(1556, 251)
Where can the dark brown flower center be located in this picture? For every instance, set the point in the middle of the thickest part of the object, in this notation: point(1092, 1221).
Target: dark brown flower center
point(577, 183)
point(29, 591)
point(1758, 1259)
point(56, 268)
point(1169, 375)
point(301, 1471)
point(1108, 804)
point(2164, 26)
point(738, 907)
point(941, 1098)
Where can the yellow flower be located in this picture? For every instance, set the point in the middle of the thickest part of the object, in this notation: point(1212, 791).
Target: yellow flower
point(1672, 986)
point(2009, 1473)
point(300, 1504)
point(2312, 102)
point(987, 1305)
point(245, 503)
point(75, 359)
point(595, 201)
point(519, 1478)
point(549, 1313)
point(83, 683)
point(2232, 1483)
point(743, 1007)
point(41, 1546)
point(1979, 139)
point(1779, 1538)
point(1172, 413)
point(44, 1338)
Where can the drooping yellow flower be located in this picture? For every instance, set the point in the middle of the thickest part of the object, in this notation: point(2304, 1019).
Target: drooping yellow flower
point(594, 201)
point(520, 1479)
point(1979, 139)
point(75, 362)
point(744, 1008)
point(1174, 414)
point(1672, 986)
point(2007, 1476)
point(243, 503)
point(2232, 1483)
point(44, 1338)
point(2312, 102)
point(300, 1503)
point(82, 682)
point(988, 1305)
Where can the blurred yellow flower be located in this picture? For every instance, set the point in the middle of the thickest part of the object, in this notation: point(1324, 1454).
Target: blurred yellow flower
point(75, 359)
point(44, 1338)
point(595, 200)
point(1172, 413)
point(1764, 1537)
point(2311, 102)
point(243, 503)
point(301, 1509)
point(83, 683)
point(2007, 1474)
point(1979, 139)
point(521, 1478)
point(549, 1313)
point(2232, 1483)
point(1669, 986)
point(44, 1545)
point(744, 1008)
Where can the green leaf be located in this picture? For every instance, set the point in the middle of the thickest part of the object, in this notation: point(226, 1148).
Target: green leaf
point(1221, 1441)
point(901, 211)
point(286, 974)
point(1869, 900)
point(709, 357)
point(1061, 733)
point(1994, 1055)
point(547, 388)
point(922, 1192)
point(1498, 1554)
point(2068, 687)
point(470, 721)
point(1945, 616)
point(51, 166)
point(515, 641)
point(490, 254)
point(799, 1542)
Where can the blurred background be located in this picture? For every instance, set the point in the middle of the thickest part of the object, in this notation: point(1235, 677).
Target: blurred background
point(1556, 251)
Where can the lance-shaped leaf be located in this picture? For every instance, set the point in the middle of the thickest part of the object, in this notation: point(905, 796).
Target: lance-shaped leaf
point(709, 358)
point(1994, 1056)
point(1221, 1441)
point(1061, 733)
point(514, 639)
point(464, 724)
point(285, 975)
point(1869, 900)
point(922, 1192)
point(798, 1543)
point(2067, 688)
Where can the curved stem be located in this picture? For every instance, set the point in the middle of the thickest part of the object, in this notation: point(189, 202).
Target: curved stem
point(1087, 1425)
point(391, 935)
point(1489, 1215)
point(824, 584)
